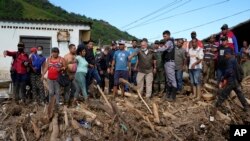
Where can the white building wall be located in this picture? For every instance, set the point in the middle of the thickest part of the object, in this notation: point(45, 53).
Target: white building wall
point(10, 37)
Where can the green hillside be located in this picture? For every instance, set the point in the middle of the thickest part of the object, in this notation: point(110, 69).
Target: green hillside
point(43, 9)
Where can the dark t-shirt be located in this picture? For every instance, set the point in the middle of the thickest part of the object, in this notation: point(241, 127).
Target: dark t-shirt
point(90, 57)
point(222, 62)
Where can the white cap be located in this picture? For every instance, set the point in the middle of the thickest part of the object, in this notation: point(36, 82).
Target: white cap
point(121, 42)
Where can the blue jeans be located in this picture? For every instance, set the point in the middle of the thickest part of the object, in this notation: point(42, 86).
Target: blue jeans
point(93, 74)
point(195, 76)
point(179, 77)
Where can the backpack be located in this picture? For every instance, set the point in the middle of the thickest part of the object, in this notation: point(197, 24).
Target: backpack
point(239, 73)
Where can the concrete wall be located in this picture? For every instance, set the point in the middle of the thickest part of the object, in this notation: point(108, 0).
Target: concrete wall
point(10, 33)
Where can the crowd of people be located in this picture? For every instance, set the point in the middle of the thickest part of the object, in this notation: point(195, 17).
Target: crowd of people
point(160, 67)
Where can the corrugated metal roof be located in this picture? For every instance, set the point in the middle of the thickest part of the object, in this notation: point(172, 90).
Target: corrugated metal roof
point(46, 21)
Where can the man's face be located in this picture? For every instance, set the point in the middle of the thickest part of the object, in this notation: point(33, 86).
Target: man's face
point(194, 43)
point(156, 46)
point(166, 36)
point(227, 56)
point(193, 35)
point(212, 40)
point(90, 45)
point(121, 46)
point(144, 45)
point(179, 43)
point(224, 43)
point(73, 50)
point(224, 31)
point(114, 47)
point(244, 43)
point(134, 43)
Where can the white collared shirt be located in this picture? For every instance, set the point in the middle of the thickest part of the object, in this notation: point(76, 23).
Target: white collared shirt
point(194, 54)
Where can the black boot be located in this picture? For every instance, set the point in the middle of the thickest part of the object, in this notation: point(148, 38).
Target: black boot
point(173, 93)
point(168, 93)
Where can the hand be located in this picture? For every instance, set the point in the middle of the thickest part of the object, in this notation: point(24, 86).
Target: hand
point(108, 70)
point(154, 70)
point(42, 77)
point(101, 72)
point(193, 66)
point(112, 71)
point(91, 66)
point(5, 53)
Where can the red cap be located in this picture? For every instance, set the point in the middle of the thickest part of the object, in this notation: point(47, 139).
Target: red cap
point(33, 50)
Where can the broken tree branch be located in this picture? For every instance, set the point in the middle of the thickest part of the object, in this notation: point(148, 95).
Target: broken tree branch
point(135, 89)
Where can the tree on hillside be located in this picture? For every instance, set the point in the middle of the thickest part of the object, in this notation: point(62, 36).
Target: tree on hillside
point(11, 9)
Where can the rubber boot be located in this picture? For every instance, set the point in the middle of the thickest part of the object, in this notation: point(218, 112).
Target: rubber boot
point(194, 95)
point(168, 92)
point(173, 93)
point(198, 91)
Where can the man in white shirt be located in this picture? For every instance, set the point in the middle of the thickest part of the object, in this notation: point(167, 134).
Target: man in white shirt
point(195, 66)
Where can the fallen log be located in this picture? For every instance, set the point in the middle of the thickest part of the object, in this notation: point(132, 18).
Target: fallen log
point(169, 115)
point(23, 134)
point(236, 100)
point(103, 95)
point(150, 124)
point(213, 81)
point(156, 113)
point(127, 94)
point(135, 89)
point(76, 138)
point(66, 119)
point(210, 87)
point(223, 117)
point(36, 130)
point(55, 128)
point(82, 131)
point(13, 137)
point(51, 107)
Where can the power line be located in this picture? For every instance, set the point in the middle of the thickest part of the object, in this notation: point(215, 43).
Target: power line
point(183, 13)
point(160, 14)
point(152, 13)
point(204, 24)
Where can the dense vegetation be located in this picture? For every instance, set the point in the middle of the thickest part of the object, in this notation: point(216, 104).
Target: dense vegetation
point(43, 9)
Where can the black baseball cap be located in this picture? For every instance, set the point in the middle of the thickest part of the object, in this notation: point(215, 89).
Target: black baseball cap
point(224, 26)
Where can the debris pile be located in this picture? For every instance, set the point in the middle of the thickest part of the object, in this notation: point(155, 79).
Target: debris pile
point(121, 119)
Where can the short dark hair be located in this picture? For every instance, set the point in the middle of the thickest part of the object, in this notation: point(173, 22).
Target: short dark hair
point(144, 40)
point(90, 40)
point(20, 44)
point(55, 49)
point(71, 45)
point(166, 32)
point(134, 40)
point(40, 47)
point(80, 48)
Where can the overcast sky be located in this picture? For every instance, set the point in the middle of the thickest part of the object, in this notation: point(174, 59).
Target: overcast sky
point(181, 17)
